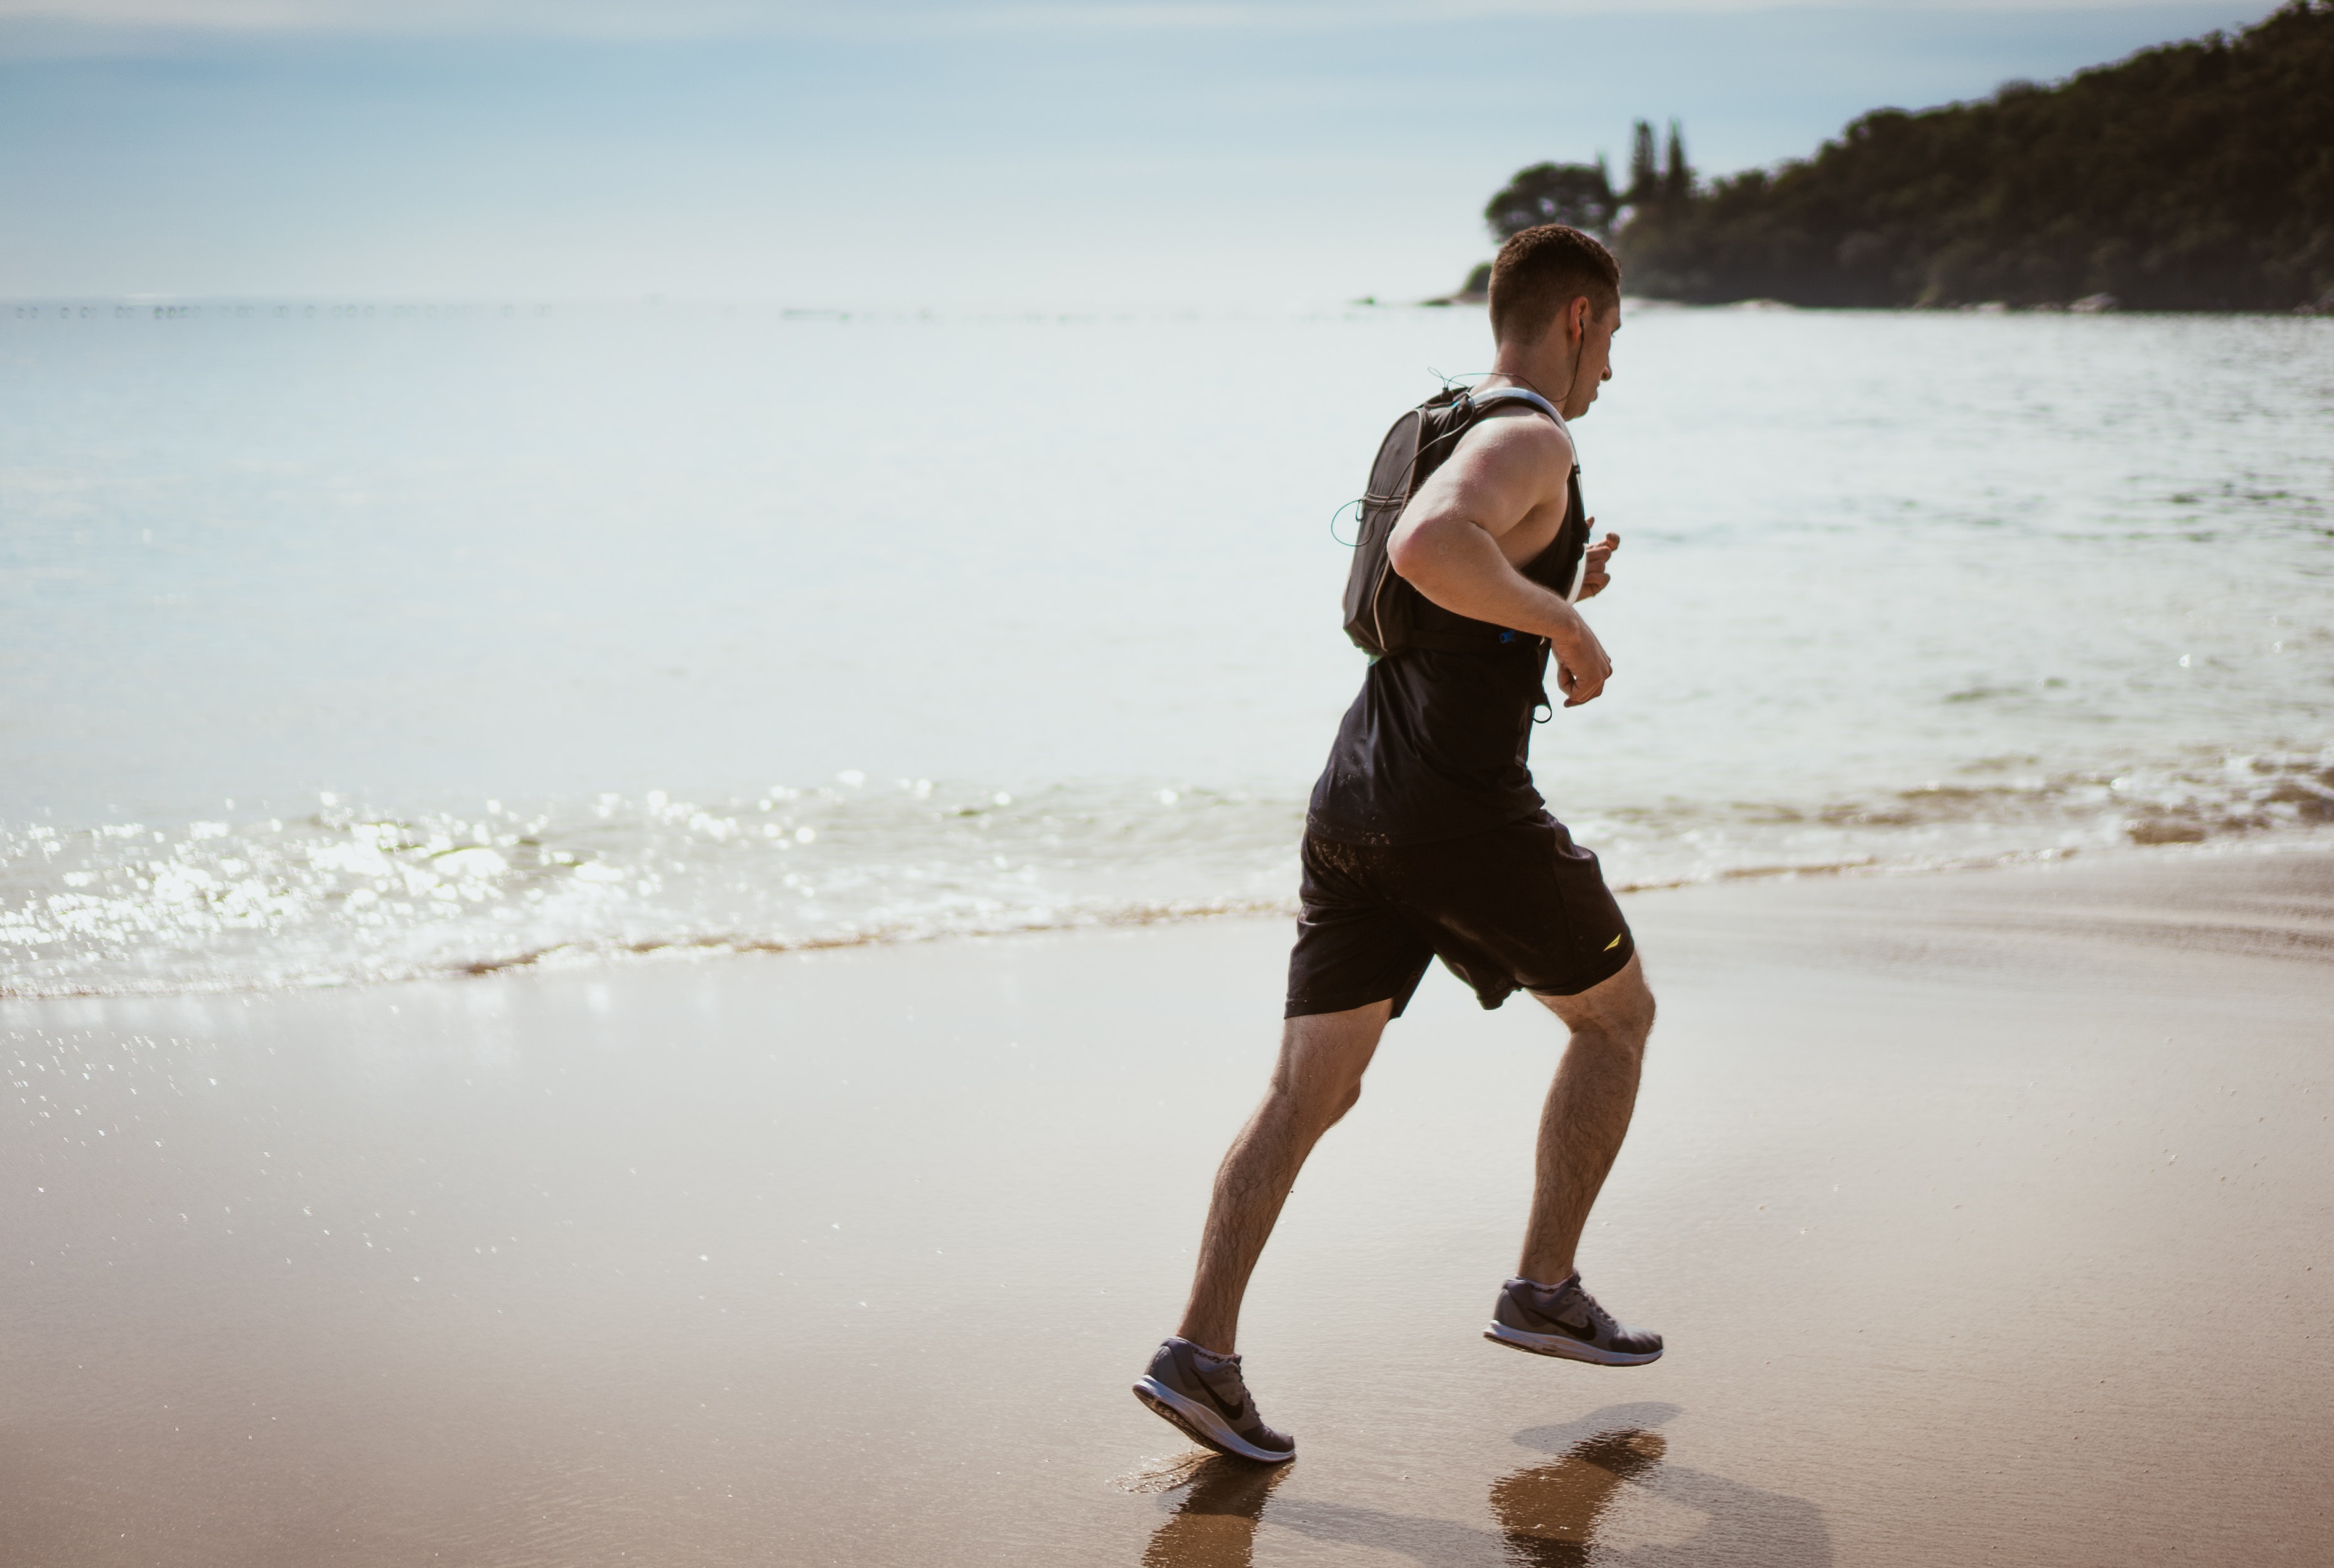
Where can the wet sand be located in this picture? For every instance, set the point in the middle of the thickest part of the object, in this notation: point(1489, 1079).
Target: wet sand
point(1987, 1215)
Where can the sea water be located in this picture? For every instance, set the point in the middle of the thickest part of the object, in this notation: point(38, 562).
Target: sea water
point(361, 641)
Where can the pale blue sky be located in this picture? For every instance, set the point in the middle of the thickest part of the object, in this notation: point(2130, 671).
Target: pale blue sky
point(900, 154)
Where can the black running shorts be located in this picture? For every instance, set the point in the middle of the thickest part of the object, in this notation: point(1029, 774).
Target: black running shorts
point(1519, 908)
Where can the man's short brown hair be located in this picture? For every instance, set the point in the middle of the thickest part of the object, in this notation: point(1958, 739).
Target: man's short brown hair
point(1542, 270)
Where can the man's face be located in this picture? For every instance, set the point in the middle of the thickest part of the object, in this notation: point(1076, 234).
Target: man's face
point(1595, 366)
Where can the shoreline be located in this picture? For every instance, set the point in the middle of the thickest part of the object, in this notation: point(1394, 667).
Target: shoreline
point(569, 959)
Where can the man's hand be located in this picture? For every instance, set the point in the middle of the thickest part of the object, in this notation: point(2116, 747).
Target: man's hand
point(1581, 667)
point(1600, 560)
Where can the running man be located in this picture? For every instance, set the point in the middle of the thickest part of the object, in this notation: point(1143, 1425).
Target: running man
point(1425, 839)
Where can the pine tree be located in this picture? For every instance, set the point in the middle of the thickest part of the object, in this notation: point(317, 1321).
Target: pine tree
point(1677, 179)
point(1644, 177)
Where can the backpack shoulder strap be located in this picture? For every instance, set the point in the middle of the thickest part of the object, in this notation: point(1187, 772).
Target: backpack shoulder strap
point(1519, 395)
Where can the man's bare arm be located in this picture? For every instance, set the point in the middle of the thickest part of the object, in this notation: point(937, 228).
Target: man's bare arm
point(1447, 544)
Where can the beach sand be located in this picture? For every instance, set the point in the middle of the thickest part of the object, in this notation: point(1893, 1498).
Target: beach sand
point(1987, 1215)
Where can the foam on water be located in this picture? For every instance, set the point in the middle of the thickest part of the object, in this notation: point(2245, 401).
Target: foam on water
point(350, 892)
point(355, 892)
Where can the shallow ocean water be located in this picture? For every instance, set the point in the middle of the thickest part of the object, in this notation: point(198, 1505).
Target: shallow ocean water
point(362, 641)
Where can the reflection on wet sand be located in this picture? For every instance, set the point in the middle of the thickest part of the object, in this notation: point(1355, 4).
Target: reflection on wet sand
point(1549, 1512)
point(1610, 1494)
point(1215, 1526)
point(1613, 1490)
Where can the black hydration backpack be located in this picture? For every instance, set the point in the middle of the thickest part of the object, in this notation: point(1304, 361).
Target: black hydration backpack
point(1384, 613)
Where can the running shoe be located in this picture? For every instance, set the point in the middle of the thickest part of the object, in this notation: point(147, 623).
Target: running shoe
point(1205, 1396)
point(1565, 1321)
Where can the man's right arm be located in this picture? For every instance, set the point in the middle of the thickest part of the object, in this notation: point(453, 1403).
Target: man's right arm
point(1447, 544)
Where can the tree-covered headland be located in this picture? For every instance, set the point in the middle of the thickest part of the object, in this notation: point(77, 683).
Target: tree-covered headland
point(2195, 176)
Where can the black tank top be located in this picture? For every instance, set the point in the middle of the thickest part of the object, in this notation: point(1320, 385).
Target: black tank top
point(1436, 745)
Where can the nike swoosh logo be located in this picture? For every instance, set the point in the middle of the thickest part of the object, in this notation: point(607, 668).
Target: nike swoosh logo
point(1231, 1412)
point(1613, 944)
point(1585, 1331)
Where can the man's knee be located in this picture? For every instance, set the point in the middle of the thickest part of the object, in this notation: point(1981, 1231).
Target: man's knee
point(1638, 1010)
point(1351, 1098)
point(1317, 1099)
point(1630, 1018)
point(1322, 1059)
point(1619, 1009)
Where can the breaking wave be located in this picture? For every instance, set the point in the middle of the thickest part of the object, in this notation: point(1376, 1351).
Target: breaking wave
point(354, 891)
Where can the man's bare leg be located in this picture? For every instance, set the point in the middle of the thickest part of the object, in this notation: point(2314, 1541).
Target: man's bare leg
point(1587, 1115)
point(1316, 1082)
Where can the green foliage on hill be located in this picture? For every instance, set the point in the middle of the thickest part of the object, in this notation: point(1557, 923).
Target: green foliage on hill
point(1579, 193)
point(2197, 176)
point(1582, 194)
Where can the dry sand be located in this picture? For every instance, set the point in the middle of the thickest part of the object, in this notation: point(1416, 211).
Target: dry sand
point(1987, 1215)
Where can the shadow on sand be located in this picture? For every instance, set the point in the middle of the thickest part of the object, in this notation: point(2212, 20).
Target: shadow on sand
point(1609, 1492)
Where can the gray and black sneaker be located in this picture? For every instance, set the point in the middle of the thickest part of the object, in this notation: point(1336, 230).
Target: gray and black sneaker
point(1565, 1321)
point(1204, 1394)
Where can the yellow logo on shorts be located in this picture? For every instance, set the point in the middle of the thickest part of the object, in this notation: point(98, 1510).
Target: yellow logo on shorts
point(1614, 942)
